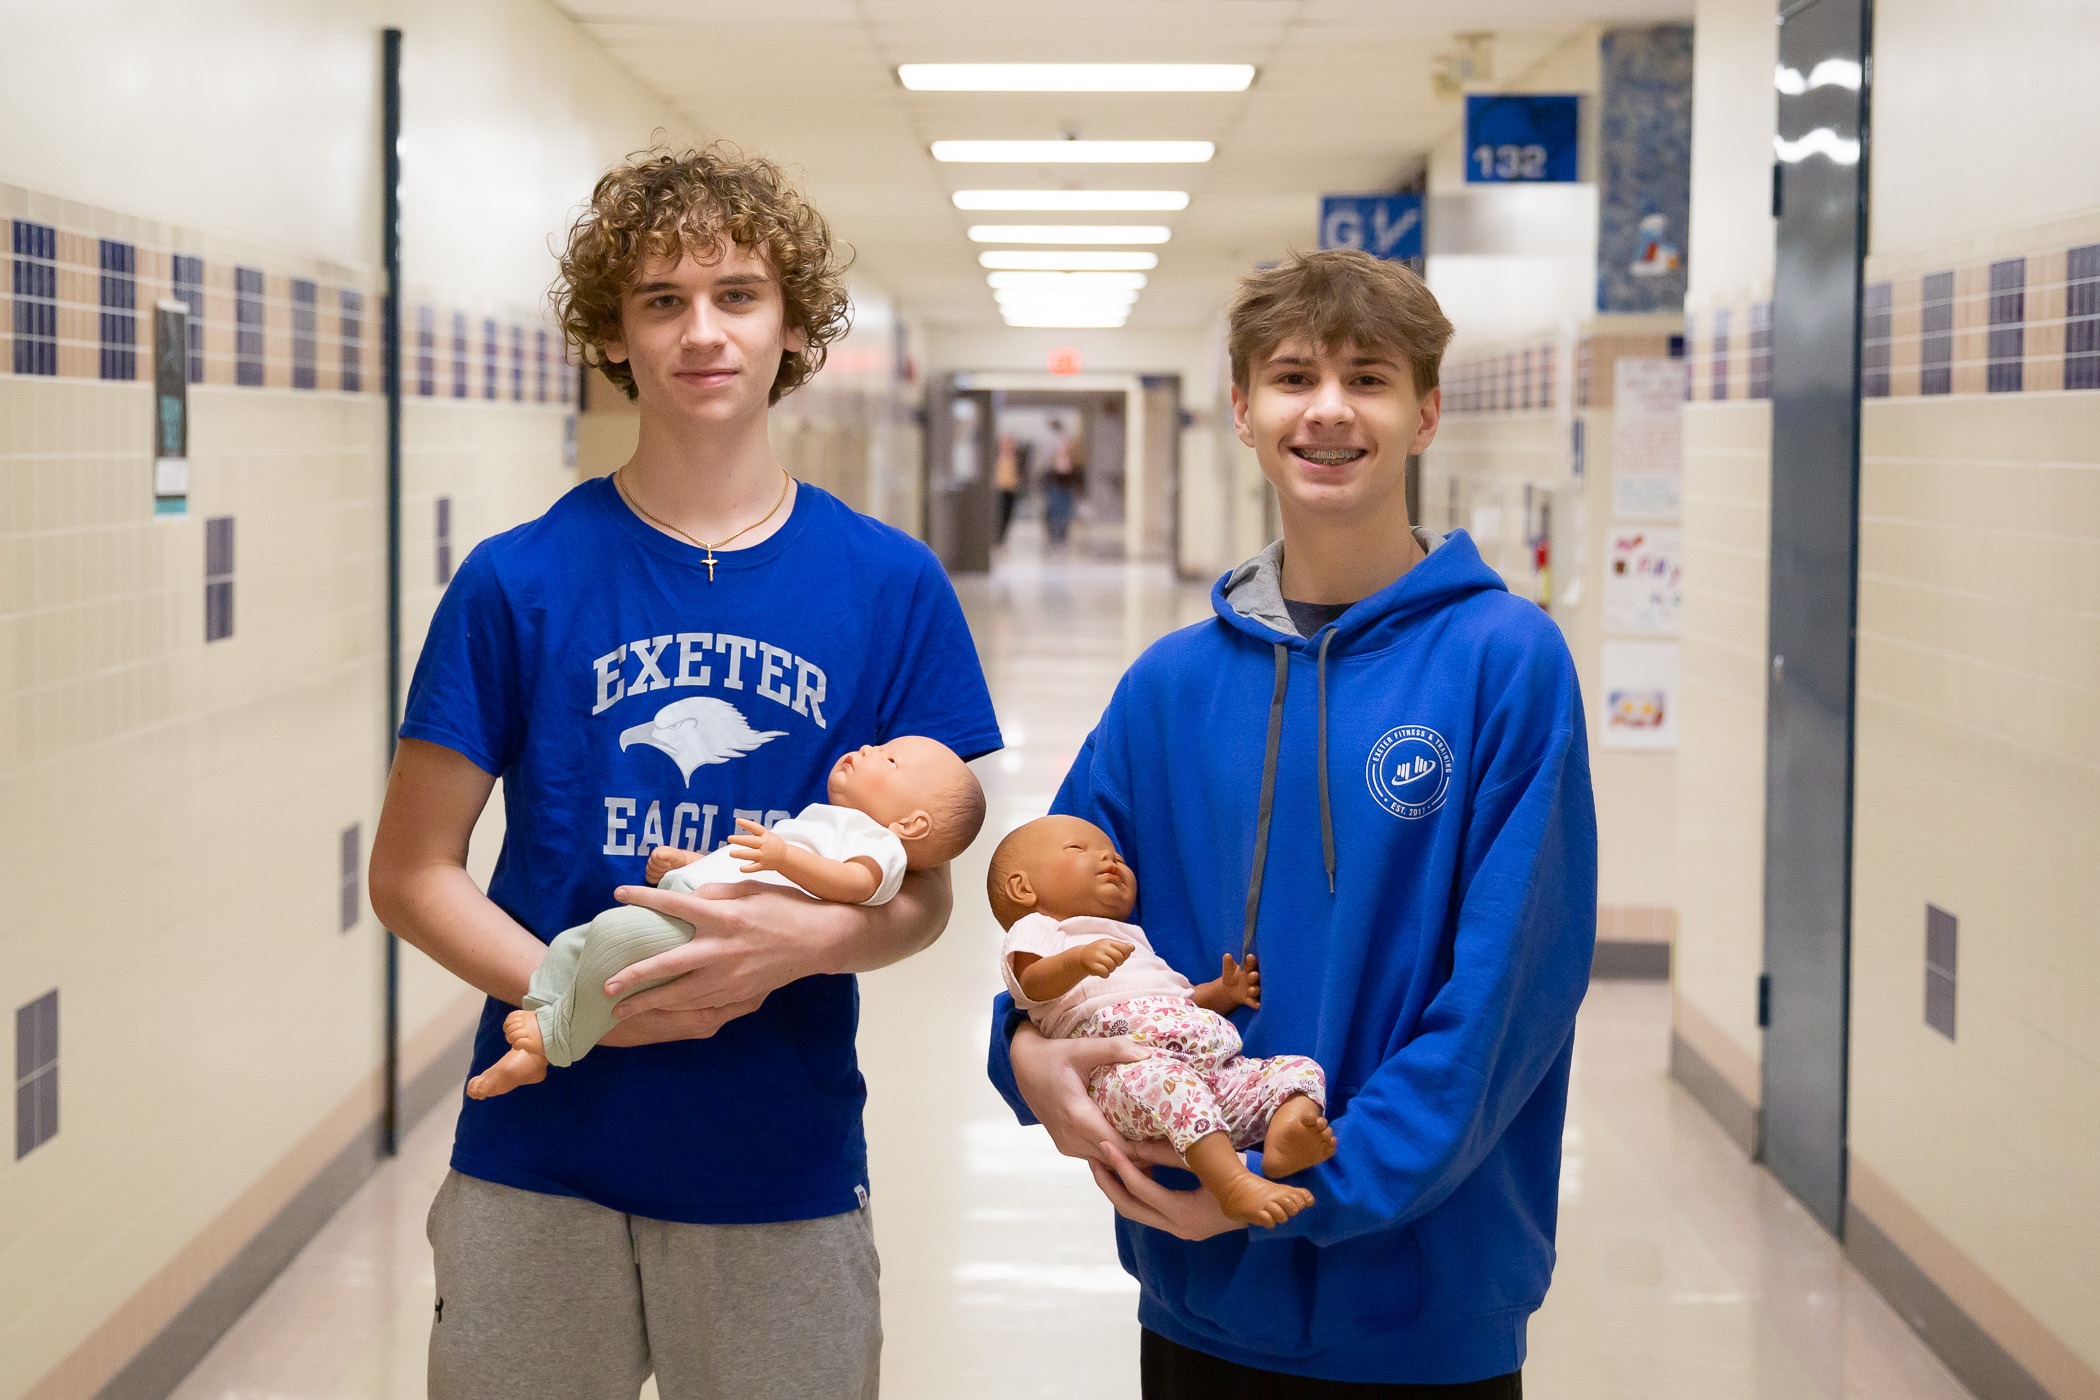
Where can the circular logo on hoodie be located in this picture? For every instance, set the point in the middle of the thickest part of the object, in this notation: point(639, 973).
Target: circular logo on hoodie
point(1410, 771)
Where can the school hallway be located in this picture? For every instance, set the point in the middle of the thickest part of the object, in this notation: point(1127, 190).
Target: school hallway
point(1684, 1270)
point(1750, 347)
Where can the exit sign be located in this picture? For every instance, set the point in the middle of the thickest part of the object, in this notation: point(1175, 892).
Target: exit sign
point(1066, 360)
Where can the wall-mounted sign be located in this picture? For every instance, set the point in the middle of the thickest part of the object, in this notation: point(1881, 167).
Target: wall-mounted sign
point(171, 408)
point(1384, 225)
point(1647, 439)
point(1066, 360)
point(1644, 580)
point(1522, 138)
point(1640, 695)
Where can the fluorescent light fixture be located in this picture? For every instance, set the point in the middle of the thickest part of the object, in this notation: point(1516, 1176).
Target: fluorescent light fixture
point(1084, 201)
point(1044, 260)
point(1075, 152)
point(1059, 301)
point(1067, 320)
point(1076, 77)
point(1070, 233)
point(1013, 281)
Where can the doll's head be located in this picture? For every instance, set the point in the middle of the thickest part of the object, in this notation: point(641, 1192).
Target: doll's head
point(917, 788)
point(1061, 866)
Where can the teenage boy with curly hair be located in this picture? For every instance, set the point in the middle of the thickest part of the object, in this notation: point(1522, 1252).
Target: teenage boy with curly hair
point(1369, 770)
point(693, 640)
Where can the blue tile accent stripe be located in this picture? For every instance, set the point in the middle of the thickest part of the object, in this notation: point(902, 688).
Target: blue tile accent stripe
point(74, 297)
point(248, 322)
point(306, 325)
point(2082, 317)
point(35, 298)
point(1936, 344)
point(1876, 322)
point(350, 321)
point(2005, 372)
point(189, 289)
point(36, 1073)
point(118, 323)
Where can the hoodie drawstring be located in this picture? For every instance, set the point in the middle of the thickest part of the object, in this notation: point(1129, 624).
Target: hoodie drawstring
point(1266, 813)
point(1268, 793)
point(1326, 808)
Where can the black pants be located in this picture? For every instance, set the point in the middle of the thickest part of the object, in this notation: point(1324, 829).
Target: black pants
point(1173, 1372)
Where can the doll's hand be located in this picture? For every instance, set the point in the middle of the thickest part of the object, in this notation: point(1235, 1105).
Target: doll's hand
point(1242, 980)
point(757, 847)
point(1102, 956)
point(665, 859)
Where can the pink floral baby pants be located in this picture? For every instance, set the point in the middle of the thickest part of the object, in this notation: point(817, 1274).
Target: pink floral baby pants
point(1196, 1082)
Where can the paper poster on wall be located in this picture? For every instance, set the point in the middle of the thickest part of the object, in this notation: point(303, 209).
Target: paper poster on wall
point(1647, 439)
point(1644, 580)
point(1640, 695)
point(171, 408)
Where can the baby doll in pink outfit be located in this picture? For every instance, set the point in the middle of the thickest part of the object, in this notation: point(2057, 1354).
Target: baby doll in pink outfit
point(1061, 892)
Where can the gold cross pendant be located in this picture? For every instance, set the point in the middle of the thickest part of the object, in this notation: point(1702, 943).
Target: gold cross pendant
point(710, 562)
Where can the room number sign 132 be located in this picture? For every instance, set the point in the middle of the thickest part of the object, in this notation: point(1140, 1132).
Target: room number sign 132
point(1510, 162)
point(1522, 137)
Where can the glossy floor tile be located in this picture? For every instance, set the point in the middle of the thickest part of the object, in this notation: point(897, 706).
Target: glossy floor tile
point(1685, 1271)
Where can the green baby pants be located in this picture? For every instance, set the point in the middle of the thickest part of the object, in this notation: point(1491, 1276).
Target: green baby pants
point(568, 991)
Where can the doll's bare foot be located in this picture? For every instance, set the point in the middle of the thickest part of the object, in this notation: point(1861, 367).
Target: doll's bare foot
point(522, 1030)
point(525, 1064)
point(1260, 1202)
point(1243, 1195)
point(517, 1068)
point(665, 859)
point(1299, 1137)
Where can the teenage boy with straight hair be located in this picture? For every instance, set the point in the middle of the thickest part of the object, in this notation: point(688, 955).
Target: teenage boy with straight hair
point(694, 640)
point(1370, 771)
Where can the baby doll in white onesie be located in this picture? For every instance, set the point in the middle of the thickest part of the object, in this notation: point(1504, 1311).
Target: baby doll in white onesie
point(906, 805)
point(1062, 893)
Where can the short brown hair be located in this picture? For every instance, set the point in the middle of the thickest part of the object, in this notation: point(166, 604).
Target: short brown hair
point(661, 204)
point(1333, 298)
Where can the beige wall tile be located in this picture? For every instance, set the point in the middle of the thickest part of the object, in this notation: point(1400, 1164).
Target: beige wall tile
point(1978, 790)
point(1720, 755)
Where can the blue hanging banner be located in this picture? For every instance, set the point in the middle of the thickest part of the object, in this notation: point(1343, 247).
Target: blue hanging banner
point(1386, 226)
point(1522, 138)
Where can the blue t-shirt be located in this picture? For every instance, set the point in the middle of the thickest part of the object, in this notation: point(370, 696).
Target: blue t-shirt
point(627, 703)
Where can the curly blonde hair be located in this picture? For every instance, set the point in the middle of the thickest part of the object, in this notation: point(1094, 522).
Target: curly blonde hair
point(662, 203)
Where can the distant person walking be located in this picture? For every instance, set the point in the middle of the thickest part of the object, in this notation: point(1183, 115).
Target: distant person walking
point(1006, 476)
point(1063, 482)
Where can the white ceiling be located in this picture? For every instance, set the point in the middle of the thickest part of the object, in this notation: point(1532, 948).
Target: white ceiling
point(1342, 103)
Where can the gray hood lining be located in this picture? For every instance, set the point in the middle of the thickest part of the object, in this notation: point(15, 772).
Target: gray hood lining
point(1255, 588)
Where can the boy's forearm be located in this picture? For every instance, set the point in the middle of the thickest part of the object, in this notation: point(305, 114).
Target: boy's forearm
point(1212, 996)
point(441, 911)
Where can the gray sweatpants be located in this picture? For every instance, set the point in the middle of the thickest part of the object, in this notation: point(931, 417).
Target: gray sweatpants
point(553, 1298)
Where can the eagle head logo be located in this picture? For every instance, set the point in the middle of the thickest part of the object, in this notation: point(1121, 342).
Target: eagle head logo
point(698, 731)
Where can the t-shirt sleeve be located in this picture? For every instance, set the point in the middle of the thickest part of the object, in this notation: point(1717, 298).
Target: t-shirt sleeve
point(1031, 933)
point(467, 693)
point(882, 846)
point(937, 688)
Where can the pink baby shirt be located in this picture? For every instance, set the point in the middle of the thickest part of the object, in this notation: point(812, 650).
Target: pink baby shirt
point(1143, 974)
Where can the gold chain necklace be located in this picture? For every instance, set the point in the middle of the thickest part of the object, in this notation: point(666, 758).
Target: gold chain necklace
point(641, 510)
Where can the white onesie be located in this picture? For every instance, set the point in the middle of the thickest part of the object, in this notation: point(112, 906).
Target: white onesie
point(1143, 974)
point(835, 833)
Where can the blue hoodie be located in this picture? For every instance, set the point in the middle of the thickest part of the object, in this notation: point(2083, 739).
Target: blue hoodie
point(1396, 816)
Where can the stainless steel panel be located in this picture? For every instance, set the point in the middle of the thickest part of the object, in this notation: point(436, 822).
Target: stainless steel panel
point(1820, 189)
